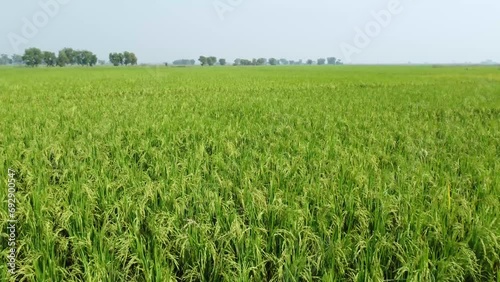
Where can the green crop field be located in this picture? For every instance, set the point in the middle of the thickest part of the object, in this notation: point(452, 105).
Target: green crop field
point(343, 173)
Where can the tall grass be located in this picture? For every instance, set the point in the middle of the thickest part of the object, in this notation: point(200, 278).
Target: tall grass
point(253, 174)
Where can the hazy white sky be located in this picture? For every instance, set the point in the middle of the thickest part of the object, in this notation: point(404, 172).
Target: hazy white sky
point(358, 31)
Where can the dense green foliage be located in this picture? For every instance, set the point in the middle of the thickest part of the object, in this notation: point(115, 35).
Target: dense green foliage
point(184, 62)
point(253, 174)
point(125, 58)
point(33, 57)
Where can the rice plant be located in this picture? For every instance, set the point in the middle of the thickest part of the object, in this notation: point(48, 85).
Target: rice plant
point(253, 174)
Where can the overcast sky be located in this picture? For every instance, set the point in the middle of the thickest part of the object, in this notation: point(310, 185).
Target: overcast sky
point(358, 31)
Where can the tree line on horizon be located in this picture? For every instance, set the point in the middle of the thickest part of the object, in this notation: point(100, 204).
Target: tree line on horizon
point(33, 57)
point(211, 60)
point(10, 60)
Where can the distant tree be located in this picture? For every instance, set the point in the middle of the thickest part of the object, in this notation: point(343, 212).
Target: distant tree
point(79, 57)
point(183, 62)
point(283, 62)
point(133, 59)
point(82, 58)
point(101, 62)
point(339, 62)
point(116, 59)
point(254, 62)
point(85, 58)
point(203, 60)
point(49, 58)
point(62, 59)
point(211, 60)
point(245, 62)
point(273, 61)
point(237, 62)
point(17, 59)
point(76, 57)
point(121, 58)
point(222, 62)
point(5, 60)
point(309, 62)
point(127, 58)
point(321, 61)
point(332, 60)
point(32, 57)
point(71, 55)
point(261, 61)
point(291, 62)
point(92, 60)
